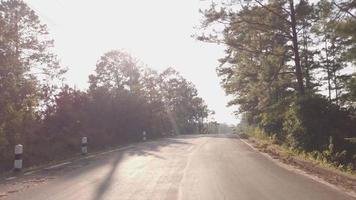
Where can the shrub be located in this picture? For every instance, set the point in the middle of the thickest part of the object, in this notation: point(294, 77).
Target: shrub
point(314, 124)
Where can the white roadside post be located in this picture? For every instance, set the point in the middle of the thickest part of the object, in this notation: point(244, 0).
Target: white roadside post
point(18, 157)
point(144, 135)
point(84, 145)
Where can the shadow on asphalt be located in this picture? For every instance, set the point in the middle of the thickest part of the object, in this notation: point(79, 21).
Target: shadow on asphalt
point(146, 149)
point(105, 184)
point(142, 149)
point(78, 169)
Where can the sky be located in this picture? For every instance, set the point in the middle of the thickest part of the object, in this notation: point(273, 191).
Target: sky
point(157, 32)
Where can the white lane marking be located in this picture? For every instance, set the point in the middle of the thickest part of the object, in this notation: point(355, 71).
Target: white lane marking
point(30, 172)
point(58, 165)
point(190, 148)
point(11, 178)
point(300, 171)
point(91, 156)
point(248, 144)
point(114, 150)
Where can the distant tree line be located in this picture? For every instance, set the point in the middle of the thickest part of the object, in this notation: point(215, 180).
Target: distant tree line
point(290, 68)
point(213, 127)
point(49, 118)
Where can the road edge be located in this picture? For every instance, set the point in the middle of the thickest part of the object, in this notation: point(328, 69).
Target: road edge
point(299, 171)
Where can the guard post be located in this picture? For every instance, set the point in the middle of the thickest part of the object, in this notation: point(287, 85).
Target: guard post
point(144, 136)
point(84, 145)
point(18, 158)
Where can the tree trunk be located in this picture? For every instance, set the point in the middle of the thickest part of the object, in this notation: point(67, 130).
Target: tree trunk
point(328, 67)
point(306, 62)
point(336, 88)
point(298, 69)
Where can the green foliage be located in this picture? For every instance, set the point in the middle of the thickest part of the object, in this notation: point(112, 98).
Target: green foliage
point(311, 121)
point(274, 49)
point(349, 98)
point(123, 100)
point(292, 125)
point(218, 128)
point(29, 72)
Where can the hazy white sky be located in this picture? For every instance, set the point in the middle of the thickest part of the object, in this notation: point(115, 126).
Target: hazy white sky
point(158, 32)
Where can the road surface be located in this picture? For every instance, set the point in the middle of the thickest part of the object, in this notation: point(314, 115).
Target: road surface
point(210, 167)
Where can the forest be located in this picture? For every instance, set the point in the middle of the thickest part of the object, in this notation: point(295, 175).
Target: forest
point(290, 68)
point(49, 118)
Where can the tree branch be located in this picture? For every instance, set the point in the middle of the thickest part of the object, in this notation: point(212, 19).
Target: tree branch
point(266, 25)
point(272, 11)
point(344, 10)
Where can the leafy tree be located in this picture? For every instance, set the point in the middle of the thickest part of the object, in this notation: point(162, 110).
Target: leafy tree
point(133, 99)
point(278, 18)
point(185, 109)
point(332, 54)
point(123, 100)
point(275, 51)
point(29, 72)
point(349, 97)
point(257, 70)
point(346, 26)
point(116, 70)
point(116, 92)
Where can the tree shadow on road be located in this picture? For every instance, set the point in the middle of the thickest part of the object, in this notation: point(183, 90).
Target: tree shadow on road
point(106, 183)
point(80, 169)
point(142, 149)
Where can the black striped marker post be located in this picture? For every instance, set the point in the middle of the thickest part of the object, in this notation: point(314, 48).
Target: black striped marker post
point(84, 145)
point(144, 135)
point(18, 157)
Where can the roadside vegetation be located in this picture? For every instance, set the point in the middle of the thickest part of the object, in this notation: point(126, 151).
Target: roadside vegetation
point(284, 152)
point(48, 117)
point(290, 68)
point(213, 127)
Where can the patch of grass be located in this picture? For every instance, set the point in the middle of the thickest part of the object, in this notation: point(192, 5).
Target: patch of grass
point(322, 159)
point(259, 134)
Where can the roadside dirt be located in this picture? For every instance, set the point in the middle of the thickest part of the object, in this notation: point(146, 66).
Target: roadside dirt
point(342, 180)
point(13, 186)
point(13, 182)
point(20, 181)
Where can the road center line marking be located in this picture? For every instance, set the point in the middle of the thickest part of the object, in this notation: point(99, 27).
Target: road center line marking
point(91, 156)
point(58, 165)
point(11, 178)
point(30, 172)
point(114, 150)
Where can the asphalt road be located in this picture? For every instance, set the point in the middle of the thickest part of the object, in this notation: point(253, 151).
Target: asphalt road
point(187, 167)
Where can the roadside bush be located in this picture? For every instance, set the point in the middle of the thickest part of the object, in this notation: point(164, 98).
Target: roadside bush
point(315, 124)
point(272, 124)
